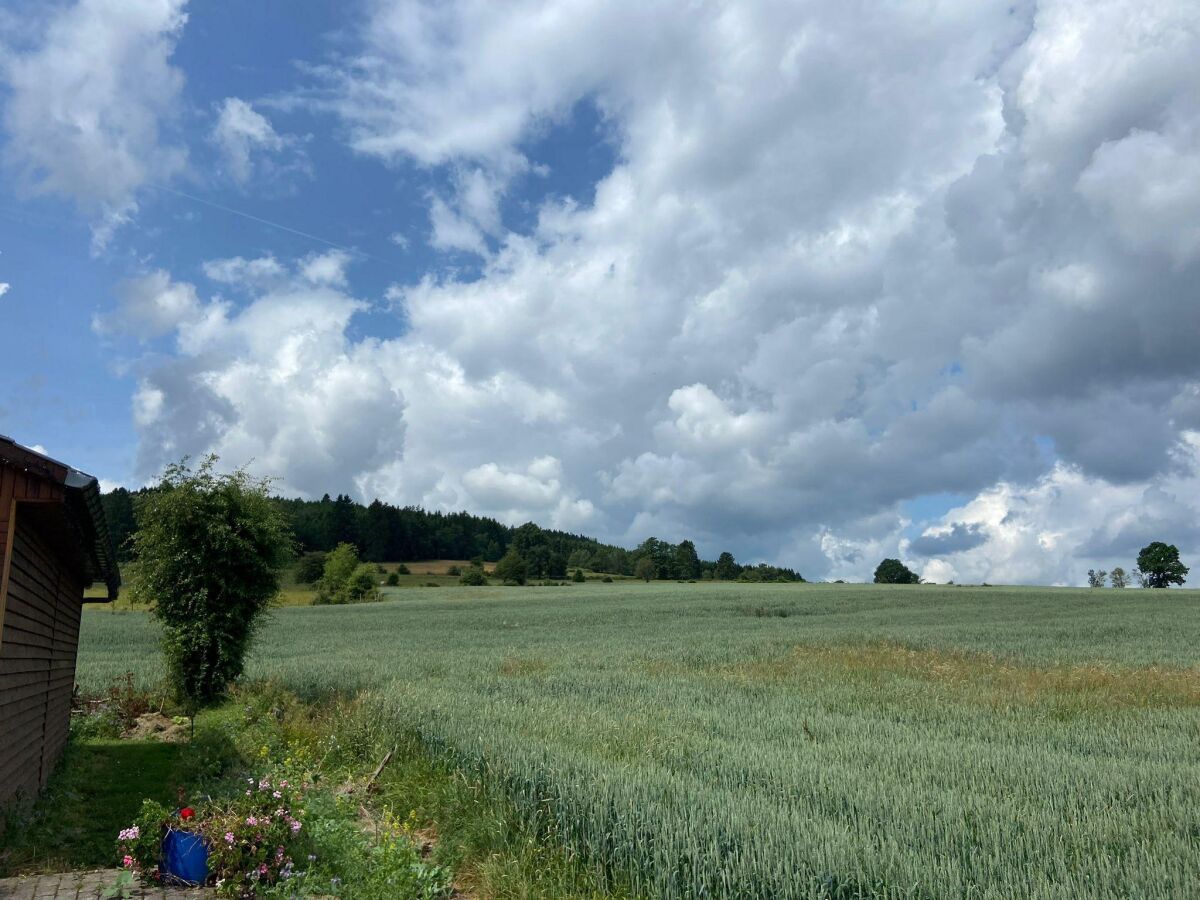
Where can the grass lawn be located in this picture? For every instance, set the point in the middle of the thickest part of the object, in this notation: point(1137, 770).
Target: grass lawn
point(96, 791)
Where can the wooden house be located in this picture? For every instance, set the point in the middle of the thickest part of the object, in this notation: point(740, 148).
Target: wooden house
point(53, 544)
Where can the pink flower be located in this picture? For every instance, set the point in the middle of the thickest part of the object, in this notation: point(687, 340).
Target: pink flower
point(251, 820)
point(229, 839)
point(295, 826)
point(276, 795)
point(283, 783)
point(262, 870)
point(127, 861)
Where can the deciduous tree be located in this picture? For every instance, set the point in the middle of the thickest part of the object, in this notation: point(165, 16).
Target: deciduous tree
point(892, 571)
point(645, 569)
point(512, 568)
point(1160, 565)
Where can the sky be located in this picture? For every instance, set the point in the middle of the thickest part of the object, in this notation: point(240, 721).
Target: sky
point(816, 283)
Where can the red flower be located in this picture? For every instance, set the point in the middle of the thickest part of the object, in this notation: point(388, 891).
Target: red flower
point(186, 813)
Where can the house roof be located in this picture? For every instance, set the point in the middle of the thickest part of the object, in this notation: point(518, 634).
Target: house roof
point(84, 513)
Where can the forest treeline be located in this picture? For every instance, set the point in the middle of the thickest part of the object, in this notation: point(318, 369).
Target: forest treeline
point(386, 533)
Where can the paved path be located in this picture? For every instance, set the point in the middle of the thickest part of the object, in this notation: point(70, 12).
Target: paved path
point(87, 886)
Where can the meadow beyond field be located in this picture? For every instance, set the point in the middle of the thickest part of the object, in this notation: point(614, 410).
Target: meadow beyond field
point(788, 740)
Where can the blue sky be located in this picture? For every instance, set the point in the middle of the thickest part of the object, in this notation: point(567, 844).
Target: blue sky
point(787, 280)
point(80, 396)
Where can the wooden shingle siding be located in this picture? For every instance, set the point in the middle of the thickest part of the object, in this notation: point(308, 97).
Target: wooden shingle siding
point(41, 617)
point(52, 541)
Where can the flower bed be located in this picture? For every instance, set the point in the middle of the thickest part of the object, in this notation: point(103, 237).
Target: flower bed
point(252, 840)
point(275, 838)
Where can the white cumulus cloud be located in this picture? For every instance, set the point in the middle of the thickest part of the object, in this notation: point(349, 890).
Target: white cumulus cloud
point(841, 261)
point(87, 105)
point(250, 146)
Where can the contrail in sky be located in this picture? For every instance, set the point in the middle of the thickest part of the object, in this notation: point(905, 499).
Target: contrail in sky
point(268, 222)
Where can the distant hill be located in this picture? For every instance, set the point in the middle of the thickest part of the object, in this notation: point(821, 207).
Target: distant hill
point(386, 533)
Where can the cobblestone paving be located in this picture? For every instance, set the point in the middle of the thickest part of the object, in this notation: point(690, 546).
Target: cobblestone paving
point(87, 886)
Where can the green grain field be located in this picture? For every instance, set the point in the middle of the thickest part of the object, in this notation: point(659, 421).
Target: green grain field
point(775, 741)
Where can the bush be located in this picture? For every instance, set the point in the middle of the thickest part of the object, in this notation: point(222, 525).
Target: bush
point(105, 723)
point(361, 588)
point(402, 569)
point(346, 580)
point(310, 568)
point(577, 576)
point(473, 577)
point(454, 570)
point(393, 579)
point(209, 551)
point(340, 565)
point(607, 579)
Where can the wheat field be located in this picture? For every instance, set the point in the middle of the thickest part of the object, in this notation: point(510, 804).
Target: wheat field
point(775, 741)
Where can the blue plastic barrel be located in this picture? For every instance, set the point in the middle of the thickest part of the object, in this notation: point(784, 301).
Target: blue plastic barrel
point(185, 857)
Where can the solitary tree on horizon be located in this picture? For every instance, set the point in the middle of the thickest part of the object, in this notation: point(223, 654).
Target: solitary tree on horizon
point(1160, 565)
point(892, 571)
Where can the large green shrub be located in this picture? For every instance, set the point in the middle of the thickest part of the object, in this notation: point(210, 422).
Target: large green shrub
point(346, 579)
point(474, 576)
point(209, 550)
point(310, 567)
point(363, 585)
point(340, 563)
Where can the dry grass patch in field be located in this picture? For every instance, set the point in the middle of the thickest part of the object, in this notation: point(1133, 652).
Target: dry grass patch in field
point(433, 566)
point(533, 666)
point(984, 676)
